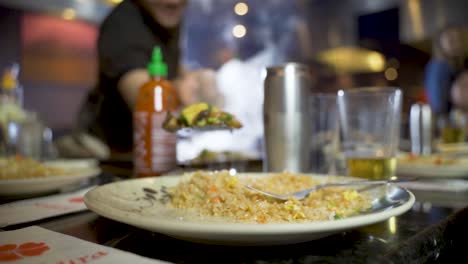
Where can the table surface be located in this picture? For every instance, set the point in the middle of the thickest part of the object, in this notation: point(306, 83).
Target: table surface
point(434, 230)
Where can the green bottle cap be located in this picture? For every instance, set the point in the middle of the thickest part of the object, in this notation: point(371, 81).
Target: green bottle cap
point(157, 67)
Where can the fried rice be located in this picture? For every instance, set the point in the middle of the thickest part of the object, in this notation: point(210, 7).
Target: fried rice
point(24, 168)
point(219, 194)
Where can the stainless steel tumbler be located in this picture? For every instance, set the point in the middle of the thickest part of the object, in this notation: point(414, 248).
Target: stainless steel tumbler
point(286, 121)
point(421, 129)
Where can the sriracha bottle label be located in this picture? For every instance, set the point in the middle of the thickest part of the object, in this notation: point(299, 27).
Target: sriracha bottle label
point(154, 147)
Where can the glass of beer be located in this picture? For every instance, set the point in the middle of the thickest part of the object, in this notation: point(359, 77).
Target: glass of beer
point(370, 128)
point(452, 128)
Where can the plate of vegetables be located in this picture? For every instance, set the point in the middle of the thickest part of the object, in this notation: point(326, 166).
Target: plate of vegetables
point(201, 117)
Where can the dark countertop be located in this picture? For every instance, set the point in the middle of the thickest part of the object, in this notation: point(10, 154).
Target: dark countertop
point(434, 231)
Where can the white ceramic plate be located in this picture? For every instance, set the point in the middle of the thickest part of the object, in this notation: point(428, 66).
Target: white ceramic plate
point(122, 201)
point(422, 169)
point(83, 169)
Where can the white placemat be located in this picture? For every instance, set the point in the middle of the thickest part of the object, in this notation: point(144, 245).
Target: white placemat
point(39, 208)
point(39, 246)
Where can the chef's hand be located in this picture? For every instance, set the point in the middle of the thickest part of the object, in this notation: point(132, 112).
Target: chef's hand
point(198, 86)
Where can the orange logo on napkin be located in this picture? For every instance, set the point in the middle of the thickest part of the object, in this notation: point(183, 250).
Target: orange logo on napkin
point(10, 252)
point(76, 200)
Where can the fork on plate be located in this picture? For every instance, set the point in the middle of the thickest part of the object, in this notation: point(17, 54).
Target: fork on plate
point(299, 195)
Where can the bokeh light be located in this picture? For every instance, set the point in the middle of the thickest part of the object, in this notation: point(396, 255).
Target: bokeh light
point(241, 8)
point(239, 31)
point(391, 74)
point(69, 14)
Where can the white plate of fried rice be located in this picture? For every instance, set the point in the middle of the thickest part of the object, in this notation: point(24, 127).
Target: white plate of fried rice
point(25, 176)
point(215, 208)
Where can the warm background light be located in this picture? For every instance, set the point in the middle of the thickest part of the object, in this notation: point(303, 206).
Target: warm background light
point(376, 61)
point(393, 63)
point(353, 59)
point(239, 31)
point(69, 14)
point(391, 74)
point(241, 8)
point(112, 2)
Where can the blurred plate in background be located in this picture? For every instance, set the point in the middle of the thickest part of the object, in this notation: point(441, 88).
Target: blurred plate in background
point(453, 148)
point(434, 166)
point(77, 171)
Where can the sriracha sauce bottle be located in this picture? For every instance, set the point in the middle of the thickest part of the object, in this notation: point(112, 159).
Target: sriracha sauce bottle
point(154, 149)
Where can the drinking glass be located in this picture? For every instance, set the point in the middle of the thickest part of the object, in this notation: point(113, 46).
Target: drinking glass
point(452, 128)
point(370, 125)
point(324, 133)
point(28, 138)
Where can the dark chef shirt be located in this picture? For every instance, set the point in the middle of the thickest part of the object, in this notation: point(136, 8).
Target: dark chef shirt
point(126, 40)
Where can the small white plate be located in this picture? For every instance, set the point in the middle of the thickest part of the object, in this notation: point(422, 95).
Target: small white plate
point(82, 169)
point(124, 201)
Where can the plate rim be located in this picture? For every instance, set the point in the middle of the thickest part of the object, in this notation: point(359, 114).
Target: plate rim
point(166, 226)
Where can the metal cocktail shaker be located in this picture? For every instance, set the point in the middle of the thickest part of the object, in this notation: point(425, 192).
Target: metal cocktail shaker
point(286, 121)
point(421, 129)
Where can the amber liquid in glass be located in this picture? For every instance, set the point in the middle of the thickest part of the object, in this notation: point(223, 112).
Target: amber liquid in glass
point(374, 168)
point(452, 135)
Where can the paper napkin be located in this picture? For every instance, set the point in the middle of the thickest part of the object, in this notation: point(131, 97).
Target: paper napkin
point(39, 208)
point(39, 246)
